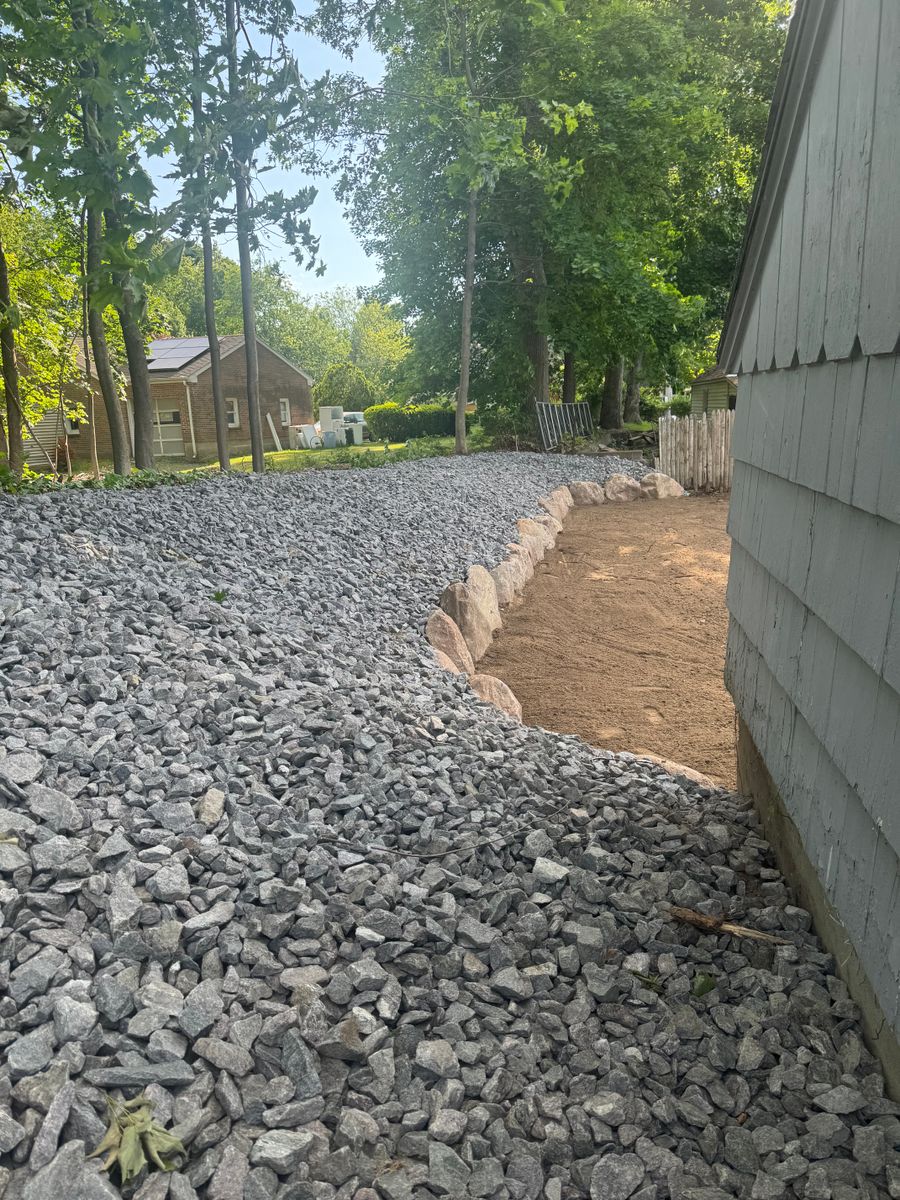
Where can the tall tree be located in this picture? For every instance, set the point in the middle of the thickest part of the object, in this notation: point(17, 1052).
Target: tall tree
point(15, 451)
point(611, 404)
point(588, 238)
point(203, 203)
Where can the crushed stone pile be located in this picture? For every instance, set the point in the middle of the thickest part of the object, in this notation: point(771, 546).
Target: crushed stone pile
point(354, 933)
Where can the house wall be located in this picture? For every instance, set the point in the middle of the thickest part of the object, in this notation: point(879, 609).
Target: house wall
point(813, 658)
point(276, 378)
point(705, 397)
point(50, 433)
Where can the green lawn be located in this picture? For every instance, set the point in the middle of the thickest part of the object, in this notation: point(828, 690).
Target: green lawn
point(306, 460)
point(372, 454)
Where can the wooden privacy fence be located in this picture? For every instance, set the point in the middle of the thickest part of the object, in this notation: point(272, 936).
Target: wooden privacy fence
point(696, 450)
point(556, 421)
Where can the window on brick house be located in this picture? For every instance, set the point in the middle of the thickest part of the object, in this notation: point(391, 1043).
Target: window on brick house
point(285, 407)
point(72, 426)
point(232, 412)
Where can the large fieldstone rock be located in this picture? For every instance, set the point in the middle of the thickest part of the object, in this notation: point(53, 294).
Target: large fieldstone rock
point(461, 606)
point(657, 486)
point(584, 492)
point(446, 664)
point(536, 538)
point(524, 560)
point(557, 503)
point(484, 590)
point(444, 635)
point(496, 692)
point(620, 488)
point(510, 577)
point(551, 524)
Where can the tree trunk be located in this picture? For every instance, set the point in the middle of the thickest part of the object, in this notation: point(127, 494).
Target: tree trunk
point(209, 283)
point(136, 353)
point(215, 358)
point(141, 400)
point(244, 223)
point(611, 403)
point(633, 393)
point(529, 267)
point(537, 346)
point(86, 351)
point(465, 349)
point(117, 430)
point(15, 449)
point(568, 394)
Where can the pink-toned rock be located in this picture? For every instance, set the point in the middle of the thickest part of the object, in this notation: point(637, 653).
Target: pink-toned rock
point(460, 605)
point(520, 553)
point(446, 663)
point(444, 635)
point(536, 538)
point(657, 486)
point(510, 578)
point(584, 492)
point(551, 524)
point(557, 503)
point(495, 691)
point(620, 488)
point(484, 591)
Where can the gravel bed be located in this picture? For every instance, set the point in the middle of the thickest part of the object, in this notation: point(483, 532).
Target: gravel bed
point(357, 935)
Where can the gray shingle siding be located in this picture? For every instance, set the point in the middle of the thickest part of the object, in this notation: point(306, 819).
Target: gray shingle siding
point(813, 657)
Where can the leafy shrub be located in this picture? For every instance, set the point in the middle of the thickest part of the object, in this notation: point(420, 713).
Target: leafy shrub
point(392, 422)
point(681, 406)
point(33, 484)
point(652, 408)
point(346, 385)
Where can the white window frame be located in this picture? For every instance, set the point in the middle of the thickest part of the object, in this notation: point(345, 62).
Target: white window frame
point(284, 407)
point(72, 427)
point(233, 412)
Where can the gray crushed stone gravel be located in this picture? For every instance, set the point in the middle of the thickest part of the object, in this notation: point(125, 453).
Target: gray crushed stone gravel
point(498, 1005)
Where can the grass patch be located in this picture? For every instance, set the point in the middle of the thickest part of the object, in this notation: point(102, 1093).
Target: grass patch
point(372, 454)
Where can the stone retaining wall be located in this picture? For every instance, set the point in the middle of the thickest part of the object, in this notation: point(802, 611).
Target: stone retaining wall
point(470, 613)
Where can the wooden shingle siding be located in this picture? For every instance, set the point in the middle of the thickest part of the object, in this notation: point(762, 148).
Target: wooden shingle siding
point(855, 862)
point(813, 658)
point(850, 175)
point(817, 172)
point(828, 271)
point(880, 301)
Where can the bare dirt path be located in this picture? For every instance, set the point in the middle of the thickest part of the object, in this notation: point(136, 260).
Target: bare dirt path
point(620, 637)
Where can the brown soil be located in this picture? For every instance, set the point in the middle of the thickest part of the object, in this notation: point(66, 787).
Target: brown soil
point(620, 637)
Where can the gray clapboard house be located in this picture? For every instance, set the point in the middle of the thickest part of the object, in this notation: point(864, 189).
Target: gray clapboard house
point(812, 333)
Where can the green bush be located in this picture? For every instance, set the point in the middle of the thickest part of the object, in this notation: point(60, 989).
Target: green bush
point(392, 422)
point(346, 385)
point(32, 484)
point(652, 408)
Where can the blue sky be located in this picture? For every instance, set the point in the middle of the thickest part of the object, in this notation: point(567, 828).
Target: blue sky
point(347, 264)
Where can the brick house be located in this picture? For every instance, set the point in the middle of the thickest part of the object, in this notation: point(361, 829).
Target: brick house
point(181, 389)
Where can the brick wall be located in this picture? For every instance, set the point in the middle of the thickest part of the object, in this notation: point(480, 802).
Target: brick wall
point(80, 443)
point(276, 381)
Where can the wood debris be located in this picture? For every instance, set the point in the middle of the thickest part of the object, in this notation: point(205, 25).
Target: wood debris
point(720, 925)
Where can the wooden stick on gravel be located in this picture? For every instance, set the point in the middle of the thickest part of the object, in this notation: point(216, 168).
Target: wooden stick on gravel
point(720, 925)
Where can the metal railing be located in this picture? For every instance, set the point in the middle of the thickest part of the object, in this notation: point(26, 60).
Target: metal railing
point(557, 421)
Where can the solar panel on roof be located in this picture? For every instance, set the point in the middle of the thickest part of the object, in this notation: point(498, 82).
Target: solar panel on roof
point(168, 354)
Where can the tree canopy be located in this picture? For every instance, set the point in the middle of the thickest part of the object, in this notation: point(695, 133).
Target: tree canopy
point(555, 191)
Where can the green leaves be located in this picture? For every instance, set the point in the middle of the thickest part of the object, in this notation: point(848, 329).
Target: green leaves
point(134, 1140)
point(703, 984)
